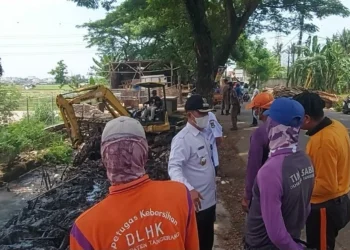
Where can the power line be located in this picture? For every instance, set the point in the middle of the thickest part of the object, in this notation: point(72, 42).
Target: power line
point(47, 53)
point(41, 36)
point(41, 45)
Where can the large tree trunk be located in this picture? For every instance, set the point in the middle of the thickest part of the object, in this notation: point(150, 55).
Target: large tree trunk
point(202, 47)
point(207, 66)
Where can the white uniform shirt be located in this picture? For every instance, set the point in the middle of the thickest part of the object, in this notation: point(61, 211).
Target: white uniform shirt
point(214, 131)
point(190, 163)
point(255, 92)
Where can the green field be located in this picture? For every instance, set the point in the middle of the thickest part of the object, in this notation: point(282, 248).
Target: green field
point(41, 94)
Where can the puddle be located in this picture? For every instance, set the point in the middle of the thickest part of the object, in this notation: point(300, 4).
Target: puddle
point(15, 196)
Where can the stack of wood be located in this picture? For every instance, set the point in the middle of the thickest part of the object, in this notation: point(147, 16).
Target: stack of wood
point(281, 91)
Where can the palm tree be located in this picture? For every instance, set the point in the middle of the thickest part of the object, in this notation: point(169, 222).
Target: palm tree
point(321, 67)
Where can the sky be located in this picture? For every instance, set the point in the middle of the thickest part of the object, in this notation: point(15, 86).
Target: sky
point(36, 34)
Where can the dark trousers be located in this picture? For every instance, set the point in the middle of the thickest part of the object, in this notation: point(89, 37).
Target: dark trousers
point(255, 121)
point(205, 225)
point(325, 221)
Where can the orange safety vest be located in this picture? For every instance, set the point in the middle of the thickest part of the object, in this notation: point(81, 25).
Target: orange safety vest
point(142, 214)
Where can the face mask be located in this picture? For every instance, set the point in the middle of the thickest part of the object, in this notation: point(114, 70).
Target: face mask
point(202, 122)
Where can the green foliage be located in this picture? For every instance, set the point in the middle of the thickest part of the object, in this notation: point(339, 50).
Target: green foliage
point(338, 106)
point(29, 135)
point(60, 73)
point(58, 153)
point(196, 35)
point(9, 101)
point(76, 80)
point(44, 113)
point(92, 81)
point(324, 67)
point(259, 62)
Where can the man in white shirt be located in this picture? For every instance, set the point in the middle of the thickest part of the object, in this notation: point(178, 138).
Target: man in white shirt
point(190, 163)
point(255, 93)
point(215, 134)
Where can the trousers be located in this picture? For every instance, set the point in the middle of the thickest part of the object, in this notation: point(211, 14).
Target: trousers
point(234, 114)
point(205, 224)
point(325, 221)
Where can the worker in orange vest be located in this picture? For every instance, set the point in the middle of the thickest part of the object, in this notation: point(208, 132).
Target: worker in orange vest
point(138, 213)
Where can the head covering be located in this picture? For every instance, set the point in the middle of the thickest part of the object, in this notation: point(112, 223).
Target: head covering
point(283, 125)
point(262, 100)
point(124, 150)
point(195, 102)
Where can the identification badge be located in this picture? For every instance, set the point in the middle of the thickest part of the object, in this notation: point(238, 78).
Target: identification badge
point(212, 124)
point(203, 161)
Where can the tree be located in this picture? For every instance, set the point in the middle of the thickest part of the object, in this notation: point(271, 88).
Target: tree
point(323, 67)
point(60, 73)
point(259, 62)
point(76, 80)
point(9, 101)
point(214, 26)
point(1, 69)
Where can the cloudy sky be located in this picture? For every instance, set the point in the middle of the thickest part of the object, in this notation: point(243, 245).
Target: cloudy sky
point(36, 34)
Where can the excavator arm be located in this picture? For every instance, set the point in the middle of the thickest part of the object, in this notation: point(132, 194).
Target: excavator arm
point(99, 92)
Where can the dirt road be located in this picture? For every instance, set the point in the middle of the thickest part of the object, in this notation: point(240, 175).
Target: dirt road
point(233, 157)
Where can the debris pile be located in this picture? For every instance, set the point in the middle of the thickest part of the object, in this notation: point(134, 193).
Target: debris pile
point(281, 91)
point(45, 223)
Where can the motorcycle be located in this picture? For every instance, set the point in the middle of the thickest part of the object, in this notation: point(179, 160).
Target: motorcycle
point(246, 97)
point(346, 105)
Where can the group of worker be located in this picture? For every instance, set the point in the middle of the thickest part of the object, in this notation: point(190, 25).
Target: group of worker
point(232, 98)
point(285, 187)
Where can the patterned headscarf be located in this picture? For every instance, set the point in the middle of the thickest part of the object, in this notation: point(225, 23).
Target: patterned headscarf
point(125, 158)
point(282, 138)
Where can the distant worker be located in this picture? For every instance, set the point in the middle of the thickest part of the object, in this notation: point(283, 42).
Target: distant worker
point(215, 132)
point(259, 144)
point(283, 186)
point(225, 104)
point(190, 163)
point(235, 107)
point(255, 92)
point(239, 95)
point(329, 149)
point(154, 103)
point(127, 218)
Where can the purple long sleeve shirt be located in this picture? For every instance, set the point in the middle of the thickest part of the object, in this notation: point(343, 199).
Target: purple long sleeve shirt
point(281, 201)
point(257, 155)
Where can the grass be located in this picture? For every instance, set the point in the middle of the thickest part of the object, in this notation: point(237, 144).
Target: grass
point(41, 94)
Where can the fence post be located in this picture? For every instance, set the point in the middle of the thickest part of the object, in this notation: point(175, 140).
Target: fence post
point(52, 111)
point(27, 108)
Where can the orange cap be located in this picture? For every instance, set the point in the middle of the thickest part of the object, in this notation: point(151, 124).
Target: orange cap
point(262, 100)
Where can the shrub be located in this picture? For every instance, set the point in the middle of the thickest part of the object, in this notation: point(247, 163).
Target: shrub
point(26, 135)
point(44, 113)
point(59, 153)
point(338, 106)
point(9, 101)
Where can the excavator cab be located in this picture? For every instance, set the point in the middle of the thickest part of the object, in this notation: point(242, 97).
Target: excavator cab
point(153, 116)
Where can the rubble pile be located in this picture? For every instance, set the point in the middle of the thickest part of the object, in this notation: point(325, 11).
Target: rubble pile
point(282, 91)
point(88, 111)
point(45, 223)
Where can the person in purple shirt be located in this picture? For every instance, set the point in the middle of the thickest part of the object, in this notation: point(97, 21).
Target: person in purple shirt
point(259, 144)
point(283, 186)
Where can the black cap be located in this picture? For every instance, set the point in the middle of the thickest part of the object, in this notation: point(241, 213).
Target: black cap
point(195, 102)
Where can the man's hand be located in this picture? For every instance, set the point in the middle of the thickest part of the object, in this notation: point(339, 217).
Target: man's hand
point(245, 205)
point(196, 198)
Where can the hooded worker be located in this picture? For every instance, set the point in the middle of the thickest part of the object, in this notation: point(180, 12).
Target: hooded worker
point(283, 186)
point(259, 144)
point(127, 218)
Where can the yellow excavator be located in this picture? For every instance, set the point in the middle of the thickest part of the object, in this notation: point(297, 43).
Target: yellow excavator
point(85, 128)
